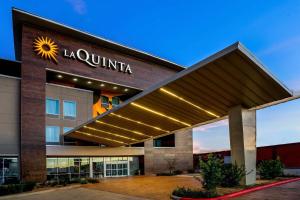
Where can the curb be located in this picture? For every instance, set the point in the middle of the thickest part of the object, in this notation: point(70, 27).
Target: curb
point(242, 192)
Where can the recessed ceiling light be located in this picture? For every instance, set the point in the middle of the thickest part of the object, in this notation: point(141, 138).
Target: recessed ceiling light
point(115, 87)
point(75, 79)
point(126, 89)
point(59, 76)
point(102, 85)
point(89, 82)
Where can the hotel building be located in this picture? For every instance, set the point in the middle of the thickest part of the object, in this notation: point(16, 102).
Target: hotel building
point(75, 105)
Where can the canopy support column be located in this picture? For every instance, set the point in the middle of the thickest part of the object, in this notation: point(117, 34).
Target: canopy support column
point(242, 131)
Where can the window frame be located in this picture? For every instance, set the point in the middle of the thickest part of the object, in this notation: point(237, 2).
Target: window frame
point(103, 96)
point(59, 135)
point(67, 116)
point(53, 99)
point(112, 103)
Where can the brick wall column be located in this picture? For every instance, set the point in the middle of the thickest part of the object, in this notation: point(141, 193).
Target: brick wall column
point(32, 138)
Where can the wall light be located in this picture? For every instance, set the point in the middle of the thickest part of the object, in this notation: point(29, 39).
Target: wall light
point(115, 87)
point(109, 133)
point(188, 102)
point(89, 82)
point(125, 129)
point(159, 113)
point(139, 122)
point(104, 138)
point(75, 79)
point(102, 85)
point(59, 76)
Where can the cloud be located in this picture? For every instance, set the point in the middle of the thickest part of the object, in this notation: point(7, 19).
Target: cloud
point(212, 125)
point(79, 6)
point(285, 44)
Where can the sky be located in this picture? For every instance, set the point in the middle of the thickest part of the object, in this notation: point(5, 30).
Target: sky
point(186, 32)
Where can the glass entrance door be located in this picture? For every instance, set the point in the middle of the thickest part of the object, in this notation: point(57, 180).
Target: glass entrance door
point(116, 169)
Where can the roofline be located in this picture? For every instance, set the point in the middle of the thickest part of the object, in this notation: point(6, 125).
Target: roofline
point(235, 46)
point(228, 150)
point(8, 60)
point(37, 20)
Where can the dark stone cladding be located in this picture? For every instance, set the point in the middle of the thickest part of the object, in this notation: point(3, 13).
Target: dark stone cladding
point(33, 73)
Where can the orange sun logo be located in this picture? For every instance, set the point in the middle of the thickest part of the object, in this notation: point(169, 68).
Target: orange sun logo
point(46, 48)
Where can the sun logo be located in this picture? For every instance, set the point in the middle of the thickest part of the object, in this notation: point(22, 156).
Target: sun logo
point(46, 48)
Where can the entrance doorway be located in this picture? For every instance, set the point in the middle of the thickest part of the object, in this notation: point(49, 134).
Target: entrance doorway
point(116, 169)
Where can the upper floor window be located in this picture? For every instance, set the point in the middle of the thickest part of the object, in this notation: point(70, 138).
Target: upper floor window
point(52, 106)
point(115, 101)
point(104, 102)
point(70, 109)
point(66, 129)
point(52, 134)
point(165, 141)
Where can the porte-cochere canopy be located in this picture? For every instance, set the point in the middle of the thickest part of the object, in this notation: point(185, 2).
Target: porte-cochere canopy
point(201, 93)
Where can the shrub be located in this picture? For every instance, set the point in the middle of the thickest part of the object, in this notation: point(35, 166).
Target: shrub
point(83, 181)
point(190, 193)
point(211, 174)
point(164, 174)
point(232, 175)
point(92, 180)
point(16, 188)
point(177, 172)
point(270, 169)
point(28, 186)
point(75, 180)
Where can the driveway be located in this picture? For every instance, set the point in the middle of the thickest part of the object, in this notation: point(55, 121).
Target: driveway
point(133, 188)
point(70, 193)
point(151, 187)
point(289, 191)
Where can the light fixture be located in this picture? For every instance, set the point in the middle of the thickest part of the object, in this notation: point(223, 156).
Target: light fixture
point(115, 87)
point(159, 113)
point(59, 76)
point(89, 82)
point(91, 135)
point(125, 129)
point(188, 102)
point(138, 122)
point(102, 85)
point(109, 133)
point(75, 79)
point(126, 89)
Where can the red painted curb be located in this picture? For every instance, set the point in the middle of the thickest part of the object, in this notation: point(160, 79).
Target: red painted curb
point(245, 191)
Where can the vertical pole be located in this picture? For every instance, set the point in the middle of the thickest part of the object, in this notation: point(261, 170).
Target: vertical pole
point(242, 131)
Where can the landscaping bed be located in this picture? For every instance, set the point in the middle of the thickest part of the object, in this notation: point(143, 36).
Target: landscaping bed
point(225, 193)
point(30, 186)
point(219, 180)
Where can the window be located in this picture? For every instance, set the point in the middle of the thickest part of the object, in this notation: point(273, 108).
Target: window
point(66, 129)
point(104, 102)
point(165, 141)
point(115, 101)
point(9, 170)
point(52, 106)
point(52, 134)
point(70, 109)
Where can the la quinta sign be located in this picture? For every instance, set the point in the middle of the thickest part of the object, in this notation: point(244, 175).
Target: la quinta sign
point(94, 60)
point(47, 49)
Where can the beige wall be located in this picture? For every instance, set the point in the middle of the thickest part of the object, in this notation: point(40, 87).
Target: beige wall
point(84, 103)
point(156, 159)
point(60, 150)
point(9, 115)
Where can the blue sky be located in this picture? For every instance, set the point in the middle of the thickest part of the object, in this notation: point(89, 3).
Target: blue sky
point(186, 32)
